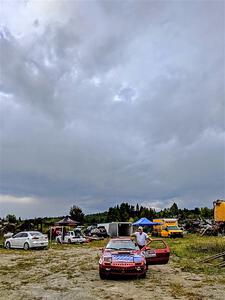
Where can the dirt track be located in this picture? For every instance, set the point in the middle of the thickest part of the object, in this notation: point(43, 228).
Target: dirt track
point(72, 273)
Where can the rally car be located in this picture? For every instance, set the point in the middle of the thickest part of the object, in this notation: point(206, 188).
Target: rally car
point(122, 257)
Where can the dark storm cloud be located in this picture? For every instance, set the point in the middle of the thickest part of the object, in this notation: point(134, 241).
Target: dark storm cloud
point(103, 102)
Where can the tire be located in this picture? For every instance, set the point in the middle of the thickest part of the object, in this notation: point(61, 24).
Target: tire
point(142, 276)
point(8, 245)
point(102, 275)
point(58, 241)
point(69, 241)
point(26, 246)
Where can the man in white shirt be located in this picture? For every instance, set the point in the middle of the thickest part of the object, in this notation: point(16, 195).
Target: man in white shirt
point(141, 237)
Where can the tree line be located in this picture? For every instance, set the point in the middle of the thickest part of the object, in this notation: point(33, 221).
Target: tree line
point(125, 213)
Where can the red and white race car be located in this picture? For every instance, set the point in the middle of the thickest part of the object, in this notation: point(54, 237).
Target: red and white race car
point(122, 257)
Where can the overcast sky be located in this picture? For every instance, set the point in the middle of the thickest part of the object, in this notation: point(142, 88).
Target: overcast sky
point(103, 102)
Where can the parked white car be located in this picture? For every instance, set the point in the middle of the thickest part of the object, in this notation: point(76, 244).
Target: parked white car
point(27, 240)
point(71, 237)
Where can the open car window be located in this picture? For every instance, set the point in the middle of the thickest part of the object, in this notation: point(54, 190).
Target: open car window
point(157, 244)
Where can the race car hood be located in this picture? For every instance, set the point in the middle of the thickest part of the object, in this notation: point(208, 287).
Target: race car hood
point(126, 258)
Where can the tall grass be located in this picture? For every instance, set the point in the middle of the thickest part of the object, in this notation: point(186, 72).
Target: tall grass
point(197, 246)
point(189, 253)
point(208, 245)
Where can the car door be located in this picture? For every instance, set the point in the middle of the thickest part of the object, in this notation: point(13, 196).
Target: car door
point(157, 252)
point(15, 241)
point(23, 239)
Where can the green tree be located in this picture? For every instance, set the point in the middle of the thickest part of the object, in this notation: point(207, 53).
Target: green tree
point(113, 214)
point(124, 212)
point(137, 211)
point(206, 212)
point(76, 214)
point(174, 210)
point(11, 218)
point(197, 211)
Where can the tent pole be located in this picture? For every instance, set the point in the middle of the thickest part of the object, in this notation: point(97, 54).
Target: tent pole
point(50, 234)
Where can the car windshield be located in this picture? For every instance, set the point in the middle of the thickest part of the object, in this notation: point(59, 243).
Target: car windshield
point(121, 245)
point(172, 228)
point(35, 233)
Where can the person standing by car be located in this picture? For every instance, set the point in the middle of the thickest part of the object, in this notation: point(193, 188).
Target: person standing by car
point(141, 237)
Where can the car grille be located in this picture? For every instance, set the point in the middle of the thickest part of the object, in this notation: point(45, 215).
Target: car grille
point(125, 271)
point(123, 264)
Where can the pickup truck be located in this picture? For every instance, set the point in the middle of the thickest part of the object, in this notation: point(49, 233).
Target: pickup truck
point(71, 237)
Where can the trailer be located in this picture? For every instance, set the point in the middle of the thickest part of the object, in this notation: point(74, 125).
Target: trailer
point(117, 229)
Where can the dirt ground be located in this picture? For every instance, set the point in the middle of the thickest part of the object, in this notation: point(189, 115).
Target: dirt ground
point(71, 272)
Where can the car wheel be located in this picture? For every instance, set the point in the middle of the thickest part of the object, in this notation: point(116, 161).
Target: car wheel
point(8, 245)
point(26, 246)
point(69, 241)
point(102, 275)
point(58, 241)
point(142, 275)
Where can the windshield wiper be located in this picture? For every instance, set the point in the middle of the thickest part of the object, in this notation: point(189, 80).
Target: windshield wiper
point(112, 248)
point(126, 249)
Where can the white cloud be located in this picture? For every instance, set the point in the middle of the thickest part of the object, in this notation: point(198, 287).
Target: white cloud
point(8, 199)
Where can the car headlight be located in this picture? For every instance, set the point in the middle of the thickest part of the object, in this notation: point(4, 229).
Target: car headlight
point(137, 259)
point(107, 259)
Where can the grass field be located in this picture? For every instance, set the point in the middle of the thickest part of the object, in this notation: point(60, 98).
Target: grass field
point(189, 252)
point(71, 272)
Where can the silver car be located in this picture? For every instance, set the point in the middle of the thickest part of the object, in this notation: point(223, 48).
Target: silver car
point(27, 240)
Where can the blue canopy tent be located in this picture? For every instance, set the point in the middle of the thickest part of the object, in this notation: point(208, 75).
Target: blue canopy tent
point(144, 222)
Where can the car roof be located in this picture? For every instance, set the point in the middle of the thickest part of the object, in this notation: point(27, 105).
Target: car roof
point(121, 239)
point(34, 231)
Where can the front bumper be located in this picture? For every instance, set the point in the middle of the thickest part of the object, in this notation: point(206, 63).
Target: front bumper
point(123, 270)
point(176, 235)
